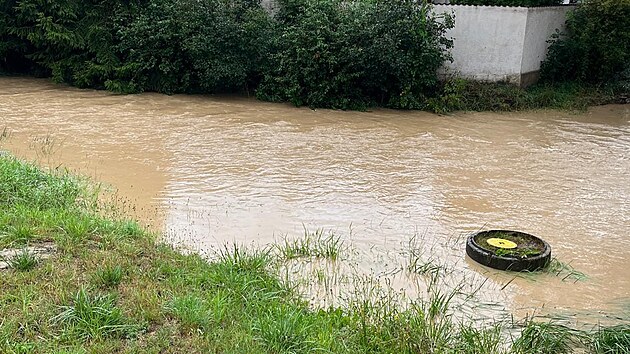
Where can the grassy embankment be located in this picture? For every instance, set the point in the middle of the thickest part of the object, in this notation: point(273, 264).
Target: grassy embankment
point(110, 287)
point(464, 95)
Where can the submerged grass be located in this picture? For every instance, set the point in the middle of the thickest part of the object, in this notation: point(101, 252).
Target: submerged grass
point(565, 271)
point(313, 244)
point(111, 288)
point(543, 338)
point(614, 339)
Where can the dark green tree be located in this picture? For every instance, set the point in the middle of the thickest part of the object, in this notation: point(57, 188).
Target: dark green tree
point(71, 40)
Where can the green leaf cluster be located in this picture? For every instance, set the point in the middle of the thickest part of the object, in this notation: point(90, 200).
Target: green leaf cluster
point(174, 46)
point(354, 54)
point(70, 40)
point(128, 46)
point(595, 48)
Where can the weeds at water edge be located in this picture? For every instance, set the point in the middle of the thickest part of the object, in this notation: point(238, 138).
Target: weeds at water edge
point(474, 340)
point(285, 330)
point(612, 340)
point(546, 337)
point(5, 134)
point(313, 244)
point(565, 271)
point(189, 304)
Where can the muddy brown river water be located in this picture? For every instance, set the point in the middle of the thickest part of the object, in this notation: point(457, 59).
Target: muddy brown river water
point(213, 170)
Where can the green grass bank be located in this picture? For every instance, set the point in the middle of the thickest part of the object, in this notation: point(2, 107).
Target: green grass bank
point(109, 287)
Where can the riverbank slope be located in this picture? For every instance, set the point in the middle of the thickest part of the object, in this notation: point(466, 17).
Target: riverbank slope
point(108, 286)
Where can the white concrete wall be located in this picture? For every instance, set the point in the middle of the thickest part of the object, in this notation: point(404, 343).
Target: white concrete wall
point(501, 43)
point(542, 22)
point(487, 42)
point(270, 5)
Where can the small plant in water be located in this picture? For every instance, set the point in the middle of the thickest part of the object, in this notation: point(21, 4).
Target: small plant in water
point(314, 244)
point(46, 146)
point(614, 339)
point(23, 260)
point(5, 134)
point(565, 270)
point(543, 338)
point(243, 259)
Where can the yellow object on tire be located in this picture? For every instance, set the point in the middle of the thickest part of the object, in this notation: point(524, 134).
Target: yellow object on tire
point(501, 243)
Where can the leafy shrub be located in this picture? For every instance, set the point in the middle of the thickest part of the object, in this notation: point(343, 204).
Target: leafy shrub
point(330, 53)
point(69, 39)
point(11, 47)
point(350, 55)
point(595, 48)
point(524, 3)
point(191, 46)
point(131, 46)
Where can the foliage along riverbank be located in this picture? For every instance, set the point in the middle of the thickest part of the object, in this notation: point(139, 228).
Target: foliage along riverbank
point(321, 54)
point(110, 287)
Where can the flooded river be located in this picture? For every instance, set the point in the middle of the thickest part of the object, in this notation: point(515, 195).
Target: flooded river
point(209, 171)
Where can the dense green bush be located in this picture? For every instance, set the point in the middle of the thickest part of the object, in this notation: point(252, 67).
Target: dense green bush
point(321, 53)
point(595, 47)
point(353, 54)
point(71, 40)
point(191, 46)
point(524, 3)
point(131, 46)
point(11, 47)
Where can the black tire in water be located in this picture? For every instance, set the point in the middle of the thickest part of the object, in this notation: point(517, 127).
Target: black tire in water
point(486, 256)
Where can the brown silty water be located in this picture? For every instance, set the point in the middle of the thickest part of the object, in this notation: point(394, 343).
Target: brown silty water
point(215, 170)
